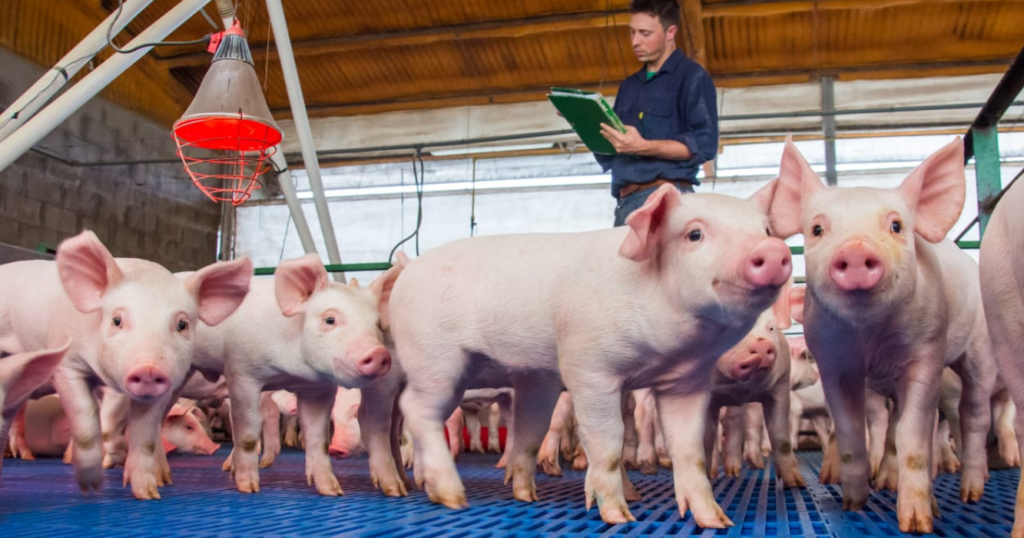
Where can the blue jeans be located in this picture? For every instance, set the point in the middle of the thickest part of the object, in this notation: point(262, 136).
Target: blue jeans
point(636, 200)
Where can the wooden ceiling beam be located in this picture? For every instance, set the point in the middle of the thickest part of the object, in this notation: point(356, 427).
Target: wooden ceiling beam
point(693, 25)
point(724, 80)
point(760, 8)
point(505, 29)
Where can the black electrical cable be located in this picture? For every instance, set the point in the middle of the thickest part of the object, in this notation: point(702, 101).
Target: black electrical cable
point(419, 180)
point(120, 8)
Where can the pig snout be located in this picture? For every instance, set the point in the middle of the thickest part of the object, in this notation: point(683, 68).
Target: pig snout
point(147, 381)
point(760, 354)
point(208, 449)
point(375, 363)
point(856, 266)
point(339, 451)
point(769, 264)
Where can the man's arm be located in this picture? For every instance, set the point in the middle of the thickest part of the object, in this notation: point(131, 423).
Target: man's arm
point(699, 139)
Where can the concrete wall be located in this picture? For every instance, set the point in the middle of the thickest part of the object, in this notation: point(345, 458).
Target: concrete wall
point(147, 211)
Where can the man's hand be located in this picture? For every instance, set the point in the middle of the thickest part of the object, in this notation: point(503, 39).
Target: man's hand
point(629, 142)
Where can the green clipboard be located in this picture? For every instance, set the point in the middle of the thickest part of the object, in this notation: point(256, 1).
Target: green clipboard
point(586, 111)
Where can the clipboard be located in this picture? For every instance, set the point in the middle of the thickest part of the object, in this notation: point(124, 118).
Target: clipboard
point(586, 111)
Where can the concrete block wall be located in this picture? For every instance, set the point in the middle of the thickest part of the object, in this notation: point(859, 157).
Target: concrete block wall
point(149, 211)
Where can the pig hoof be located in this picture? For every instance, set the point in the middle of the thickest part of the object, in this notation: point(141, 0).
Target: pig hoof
point(247, 482)
point(732, 470)
point(794, 479)
point(853, 503)
point(1018, 530)
point(579, 464)
point(26, 455)
point(613, 515)
point(226, 466)
point(551, 468)
point(328, 487)
point(90, 479)
point(970, 491)
point(913, 518)
point(706, 511)
point(453, 501)
point(630, 493)
point(665, 462)
point(266, 462)
point(526, 495)
point(648, 468)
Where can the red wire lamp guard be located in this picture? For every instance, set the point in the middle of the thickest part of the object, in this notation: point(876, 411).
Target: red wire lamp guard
point(227, 135)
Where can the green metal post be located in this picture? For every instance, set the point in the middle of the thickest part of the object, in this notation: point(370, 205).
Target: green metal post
point(986, 169)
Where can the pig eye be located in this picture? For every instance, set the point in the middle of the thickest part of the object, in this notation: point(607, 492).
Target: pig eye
point(182, 325)
point(117, 321)
point(896, 226)
point(329, 320)
point(695, 235)
point(768, 232)
point(189, 428)
point(817, 230)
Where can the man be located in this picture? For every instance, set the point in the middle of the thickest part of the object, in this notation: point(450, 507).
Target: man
point(668, 108)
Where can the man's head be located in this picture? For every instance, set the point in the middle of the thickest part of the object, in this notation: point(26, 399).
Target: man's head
point(653, 28)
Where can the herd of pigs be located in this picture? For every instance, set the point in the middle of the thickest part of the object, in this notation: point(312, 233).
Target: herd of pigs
point(613, 348)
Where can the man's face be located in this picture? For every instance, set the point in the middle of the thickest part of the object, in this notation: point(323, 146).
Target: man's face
point(648, 36)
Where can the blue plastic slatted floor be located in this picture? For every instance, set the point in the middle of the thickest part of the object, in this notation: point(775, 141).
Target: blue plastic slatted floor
point(40, 499)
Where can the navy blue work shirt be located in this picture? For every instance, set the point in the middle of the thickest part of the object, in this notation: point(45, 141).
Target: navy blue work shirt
point(678, 103)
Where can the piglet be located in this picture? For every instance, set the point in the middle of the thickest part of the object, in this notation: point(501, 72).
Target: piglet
point(890, 302)
point(346, 440)
point(131, 324)
point(20, 374)
point(1002, 286)
point(183, 428)
point(651, 304)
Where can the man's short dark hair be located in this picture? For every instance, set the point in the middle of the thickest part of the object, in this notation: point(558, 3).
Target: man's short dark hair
point(667, 11)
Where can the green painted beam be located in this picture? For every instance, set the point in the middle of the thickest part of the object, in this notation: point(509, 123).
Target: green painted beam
point(345, 267)
point(986, 166)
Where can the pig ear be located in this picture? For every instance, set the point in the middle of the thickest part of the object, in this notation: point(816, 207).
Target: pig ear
point(936, 190)
point(402, 259)
point(796, 183)
point(22, 373)
point(353, 282)
point(295, 281)
point(781, 308)
point(177, 410)
point(381, 288)
point(796, 303)
point(168, 447)
point(763, 197)
point(647, 224)
point(197, 413)
point(220, 288)
point(87, 270)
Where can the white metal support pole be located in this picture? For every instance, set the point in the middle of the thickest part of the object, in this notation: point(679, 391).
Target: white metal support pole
point(294, 206)
point(50, 117)
point(298, 104)
point(53, 80)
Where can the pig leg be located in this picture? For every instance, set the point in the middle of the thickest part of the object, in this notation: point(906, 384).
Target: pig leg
point(646, 454)
point(142, 468)
point(453, 427)
point(548, 458)
point(599, 418)
point(975, 414)
point(114, 421)
point(84, 419)
point(845, 397)
point(711, 440)
point(1004, 414)
point(766, 443)
point(535, 398)
point(878, 423)
point(659, 442)
point(946, 460)
point(630, 442)
point(732, 447)
point(776, 413)
point(568, 444)
point(245, 432)
point(474, 426)
point(270, 414)
point(693, 491)
point(19, 448)
point(315, 418)
point(425, 406)
point(407, 448)
point(493, 423)
point(888, 469)
point(6, 420)
point(579, 459)
point(753, 422)
point(919, 387)
point(377, 420)
point(829, 473)
point(291, 431)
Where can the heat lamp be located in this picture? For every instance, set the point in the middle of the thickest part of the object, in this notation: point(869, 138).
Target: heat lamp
point(227, 135)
